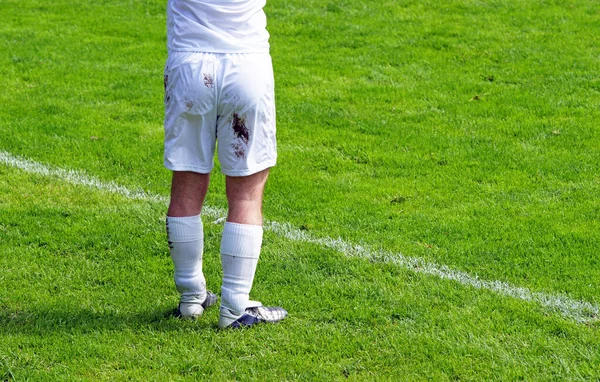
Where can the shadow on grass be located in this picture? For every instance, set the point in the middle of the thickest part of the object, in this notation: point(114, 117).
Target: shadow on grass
point(55, 320)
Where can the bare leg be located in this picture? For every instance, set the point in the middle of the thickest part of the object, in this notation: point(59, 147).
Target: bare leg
point(245, 197)
point(188, 190)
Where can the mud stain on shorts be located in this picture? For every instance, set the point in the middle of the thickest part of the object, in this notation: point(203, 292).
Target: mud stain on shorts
point(239, 128)
point(238, 150)
point(242, 135)
point(166, 83)
point(189, 104)
point(208, 80)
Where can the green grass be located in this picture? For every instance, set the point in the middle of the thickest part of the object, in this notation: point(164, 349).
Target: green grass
point(461, 132)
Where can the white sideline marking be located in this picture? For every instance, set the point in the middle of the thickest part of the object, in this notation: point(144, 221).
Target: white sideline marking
point(580, 311)
point(81, 178)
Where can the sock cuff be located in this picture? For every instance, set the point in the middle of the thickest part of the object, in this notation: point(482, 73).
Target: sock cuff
point(241, 240)
point(184, 229)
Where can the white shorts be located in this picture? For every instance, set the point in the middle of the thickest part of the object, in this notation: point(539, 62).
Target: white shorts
point(224, 97)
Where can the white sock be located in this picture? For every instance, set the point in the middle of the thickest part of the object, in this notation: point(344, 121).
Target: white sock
point(240, 249)
point(186, 241)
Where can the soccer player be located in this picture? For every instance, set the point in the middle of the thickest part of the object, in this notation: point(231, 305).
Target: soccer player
point(219, 88)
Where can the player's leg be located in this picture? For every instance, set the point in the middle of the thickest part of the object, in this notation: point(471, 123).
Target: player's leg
point(188, 190)
point(240, 250)
point(185, 235)
point(245, 198)
point(242, 240)
point(190, 135)
point(247, 149)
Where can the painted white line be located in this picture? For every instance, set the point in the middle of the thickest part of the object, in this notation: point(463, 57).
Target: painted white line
point(577, 310)
point(580, 311)
point(83, 179)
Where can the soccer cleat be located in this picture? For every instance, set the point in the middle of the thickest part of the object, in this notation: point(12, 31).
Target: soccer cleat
point(193, 309)
point(251, 316)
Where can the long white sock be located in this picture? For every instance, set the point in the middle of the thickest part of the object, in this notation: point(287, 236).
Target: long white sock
point(186, 241)
point(240, 249)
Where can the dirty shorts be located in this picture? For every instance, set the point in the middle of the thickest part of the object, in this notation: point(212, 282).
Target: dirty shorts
point(224, 99)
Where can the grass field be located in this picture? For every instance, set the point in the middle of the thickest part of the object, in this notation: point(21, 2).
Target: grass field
point(434, 215)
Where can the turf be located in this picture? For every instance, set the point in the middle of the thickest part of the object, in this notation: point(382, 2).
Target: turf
point(461, 132)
